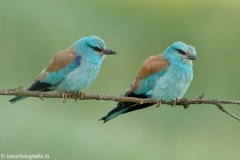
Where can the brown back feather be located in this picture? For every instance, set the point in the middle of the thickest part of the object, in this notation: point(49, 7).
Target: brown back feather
point(150, 66)
point(60, 60)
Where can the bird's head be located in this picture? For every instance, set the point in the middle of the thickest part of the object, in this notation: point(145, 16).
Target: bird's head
point(92, 47)
point(180, 51)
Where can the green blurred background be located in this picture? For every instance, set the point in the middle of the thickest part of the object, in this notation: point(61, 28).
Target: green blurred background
point(33, 31)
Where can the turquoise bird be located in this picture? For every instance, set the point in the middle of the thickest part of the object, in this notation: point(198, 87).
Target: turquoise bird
point(73, 69)
point(164, 77)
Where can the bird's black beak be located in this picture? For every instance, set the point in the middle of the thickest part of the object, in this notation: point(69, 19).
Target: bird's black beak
point(108, 51)
point(191, 56)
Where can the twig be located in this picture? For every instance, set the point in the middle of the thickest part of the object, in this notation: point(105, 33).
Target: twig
point(224, 110)
point(182, 102)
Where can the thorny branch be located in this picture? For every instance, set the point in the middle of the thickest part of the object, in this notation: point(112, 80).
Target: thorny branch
point(182, 102)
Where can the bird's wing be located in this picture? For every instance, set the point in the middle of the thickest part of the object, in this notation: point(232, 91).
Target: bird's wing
point(139, 88)
point(61, 65)
point(152, 65)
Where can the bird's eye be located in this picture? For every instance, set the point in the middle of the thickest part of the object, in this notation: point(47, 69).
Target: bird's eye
point(97, 49)
point(181, 51)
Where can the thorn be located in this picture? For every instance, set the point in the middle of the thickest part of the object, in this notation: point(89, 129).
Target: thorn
point(40, 96)
point(201, 96)
point(186, 106)
point(20, 88)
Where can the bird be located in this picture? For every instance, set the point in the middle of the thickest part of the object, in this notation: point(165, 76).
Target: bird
point(73, 69)
point(164, 77)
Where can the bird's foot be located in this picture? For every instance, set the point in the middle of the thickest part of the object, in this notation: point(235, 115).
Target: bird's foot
point(121, 101)
point(159, 103)
point(64, 96)
point(81, 95)
point(174, 102)
point(122, 104)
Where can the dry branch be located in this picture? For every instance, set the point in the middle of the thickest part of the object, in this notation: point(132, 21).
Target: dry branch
point(182, 102)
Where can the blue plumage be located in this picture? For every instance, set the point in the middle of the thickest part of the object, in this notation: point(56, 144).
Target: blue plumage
point(76, 61)
point(55, 78)
point(165, 77)
point(73, 69)
point(148, 83)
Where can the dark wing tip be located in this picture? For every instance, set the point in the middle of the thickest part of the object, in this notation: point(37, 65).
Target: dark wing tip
point(104, 119)
point(16, 99)
point(39, 86)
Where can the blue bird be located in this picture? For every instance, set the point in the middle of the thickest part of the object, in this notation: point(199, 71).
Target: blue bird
point(73, 69)
point(164, 77)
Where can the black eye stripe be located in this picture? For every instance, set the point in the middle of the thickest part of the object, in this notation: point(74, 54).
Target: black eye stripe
point(96, 49)
point(181, 51)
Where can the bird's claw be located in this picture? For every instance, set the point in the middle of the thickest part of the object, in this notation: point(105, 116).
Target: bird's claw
point(174, 102)
point(121, 101)
point(64, 96)
point(159, 103)
point(81, 95)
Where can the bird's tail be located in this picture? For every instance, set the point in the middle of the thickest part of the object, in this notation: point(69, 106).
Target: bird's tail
point(124, 108)
point(16, 99)
point(36, 86)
